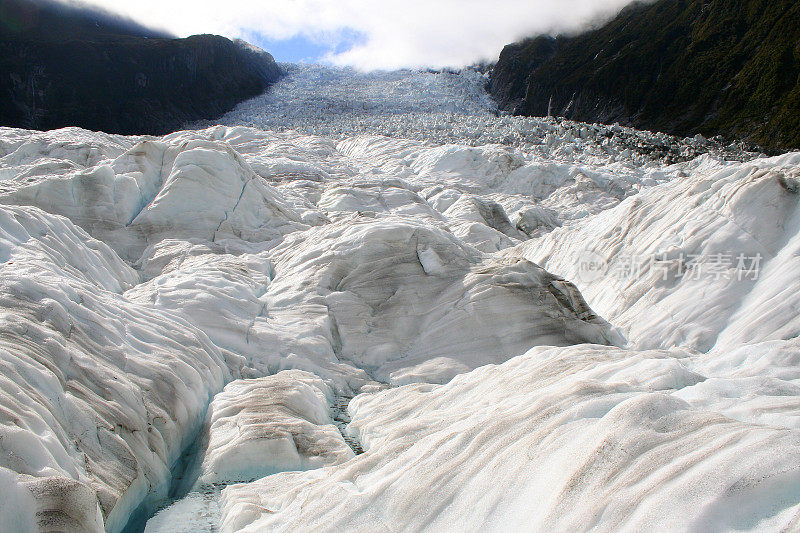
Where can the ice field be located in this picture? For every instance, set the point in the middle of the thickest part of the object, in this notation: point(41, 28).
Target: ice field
point(368, 302)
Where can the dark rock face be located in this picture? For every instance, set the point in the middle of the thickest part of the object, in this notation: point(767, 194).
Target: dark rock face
point(509, 79)
point(729, 67)
point(77, 68)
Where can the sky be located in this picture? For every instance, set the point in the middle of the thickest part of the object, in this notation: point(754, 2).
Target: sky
point(371, 34)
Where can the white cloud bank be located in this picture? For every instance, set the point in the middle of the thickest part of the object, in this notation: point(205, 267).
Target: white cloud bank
point(398, 33)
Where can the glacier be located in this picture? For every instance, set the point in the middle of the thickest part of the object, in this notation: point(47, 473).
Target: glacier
point(365, 301)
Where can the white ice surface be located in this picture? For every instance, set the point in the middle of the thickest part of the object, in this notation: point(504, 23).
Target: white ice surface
point(559, 439)
point(299, 267)
point(99, 394)
point(717, 209)
point(272, 424)
point(253, 428)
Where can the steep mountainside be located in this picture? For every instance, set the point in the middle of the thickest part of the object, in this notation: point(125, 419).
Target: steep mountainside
point(64, 66)
point(681, 66)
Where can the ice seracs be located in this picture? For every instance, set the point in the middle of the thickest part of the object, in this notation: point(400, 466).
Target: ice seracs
point(442, 108)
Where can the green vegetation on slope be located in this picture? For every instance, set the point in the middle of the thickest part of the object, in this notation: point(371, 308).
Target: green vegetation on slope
point(681, 66)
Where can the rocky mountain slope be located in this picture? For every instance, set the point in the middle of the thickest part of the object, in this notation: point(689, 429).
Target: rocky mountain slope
point(75, 67)
point(678, 66)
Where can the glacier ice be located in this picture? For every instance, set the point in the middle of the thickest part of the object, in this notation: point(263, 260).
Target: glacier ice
point(577, 438)
point(184, 318)
point(253, 428)
point(99, 394)
point(717, 209)
point(272, 424)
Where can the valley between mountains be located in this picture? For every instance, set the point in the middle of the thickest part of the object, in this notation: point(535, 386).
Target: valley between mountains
point(374, 302)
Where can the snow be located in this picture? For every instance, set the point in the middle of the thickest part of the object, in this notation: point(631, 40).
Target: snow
point(184, 320)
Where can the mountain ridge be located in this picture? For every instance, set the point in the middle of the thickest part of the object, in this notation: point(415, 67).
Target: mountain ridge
point(79, 67)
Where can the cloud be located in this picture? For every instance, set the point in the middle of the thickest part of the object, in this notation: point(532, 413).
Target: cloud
point(396, 33)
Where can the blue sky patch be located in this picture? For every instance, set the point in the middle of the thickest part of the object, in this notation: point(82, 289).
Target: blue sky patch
point(304, 48)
